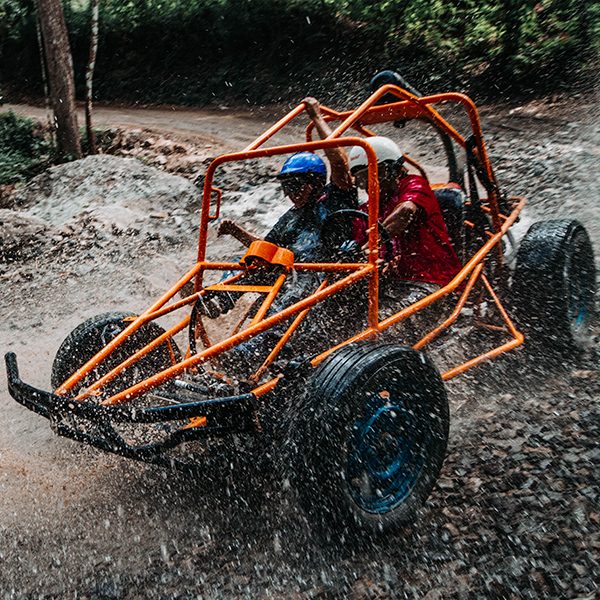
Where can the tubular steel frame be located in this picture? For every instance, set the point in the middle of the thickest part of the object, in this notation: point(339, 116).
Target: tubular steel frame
point(472, 277)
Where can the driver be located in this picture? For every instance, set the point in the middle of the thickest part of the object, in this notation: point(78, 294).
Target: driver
point(303, 180)
point(423, 258)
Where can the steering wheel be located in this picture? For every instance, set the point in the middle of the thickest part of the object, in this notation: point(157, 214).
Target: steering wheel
point(336, 235)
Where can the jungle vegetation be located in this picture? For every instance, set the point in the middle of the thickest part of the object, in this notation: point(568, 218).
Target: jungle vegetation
point(262, 51)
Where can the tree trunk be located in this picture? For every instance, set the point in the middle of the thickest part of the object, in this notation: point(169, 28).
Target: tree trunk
point(510, 35)
point(60, 76)
point(44, 70)
point(89, 77)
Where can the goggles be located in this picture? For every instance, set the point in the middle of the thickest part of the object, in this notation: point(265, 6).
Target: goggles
point(293, 183)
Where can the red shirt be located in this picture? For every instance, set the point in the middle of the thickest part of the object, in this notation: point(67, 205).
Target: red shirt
point(424, 251)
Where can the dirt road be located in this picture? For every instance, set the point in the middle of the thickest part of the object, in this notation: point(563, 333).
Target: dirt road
point(225, 128)
point(514, 514)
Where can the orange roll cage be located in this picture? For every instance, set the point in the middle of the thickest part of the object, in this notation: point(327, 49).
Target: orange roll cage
point(472, 283)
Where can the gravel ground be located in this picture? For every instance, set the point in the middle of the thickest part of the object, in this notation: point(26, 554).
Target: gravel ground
point(513, 515)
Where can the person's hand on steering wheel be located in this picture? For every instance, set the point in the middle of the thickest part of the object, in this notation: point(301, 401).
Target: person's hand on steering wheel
point(338, 240)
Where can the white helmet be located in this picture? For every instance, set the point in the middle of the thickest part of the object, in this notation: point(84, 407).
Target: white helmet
point(385, 149)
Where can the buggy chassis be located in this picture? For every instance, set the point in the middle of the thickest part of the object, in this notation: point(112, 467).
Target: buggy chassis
point(483, 278)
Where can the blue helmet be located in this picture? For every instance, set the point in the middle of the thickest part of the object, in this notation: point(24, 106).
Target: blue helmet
point(303, 162)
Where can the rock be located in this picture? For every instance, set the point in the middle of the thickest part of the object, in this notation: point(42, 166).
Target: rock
point(366, 589)
point(451, 529)
point(570, 457)
point(473, 484)
point(585, 374)
point(445, 483)
point(538, 451)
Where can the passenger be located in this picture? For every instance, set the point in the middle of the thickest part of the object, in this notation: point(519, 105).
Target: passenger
point(423, 258)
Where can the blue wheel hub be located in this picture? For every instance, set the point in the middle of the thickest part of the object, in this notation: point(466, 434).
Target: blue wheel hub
point(385, 454)
point(577, 303)
point(579, 276)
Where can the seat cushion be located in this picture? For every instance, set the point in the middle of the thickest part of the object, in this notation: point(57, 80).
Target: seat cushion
point(452, 205)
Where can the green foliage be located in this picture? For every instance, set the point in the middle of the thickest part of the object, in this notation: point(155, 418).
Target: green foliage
point(194, 51)
point(23, 149)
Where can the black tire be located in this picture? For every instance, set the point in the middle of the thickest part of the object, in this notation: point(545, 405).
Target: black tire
point(364, 394)
point(553, 286)
point(92, 335)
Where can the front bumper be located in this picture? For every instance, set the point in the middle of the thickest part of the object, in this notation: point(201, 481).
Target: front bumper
point(232, 414)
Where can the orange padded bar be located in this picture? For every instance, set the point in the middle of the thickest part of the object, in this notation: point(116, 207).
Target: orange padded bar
point(270, 253)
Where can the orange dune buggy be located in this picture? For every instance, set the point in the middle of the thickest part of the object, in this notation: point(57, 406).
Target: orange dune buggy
point(366, 420)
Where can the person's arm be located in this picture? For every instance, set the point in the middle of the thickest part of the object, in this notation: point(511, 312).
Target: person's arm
point(401, 218)
point(228, 227)
point(338, 159)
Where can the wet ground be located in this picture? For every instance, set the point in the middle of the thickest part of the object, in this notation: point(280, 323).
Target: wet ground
point(514, 514)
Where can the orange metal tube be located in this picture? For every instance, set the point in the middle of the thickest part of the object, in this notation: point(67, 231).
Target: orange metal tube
point(328, 267)
point(256, 289)
point(165, 310)
point(454, 315)
point(491, 327)
point(259, 141)
point(450, 373)
point(359, 337)
point(171, 352)
point(511, 327)
point(250, 332)
point(222, 266)
point(196, 422)
point(373, 191)
point(424, 302)
point(164, 337)
point(134, 326)
point(517, 341)
point(267, 387)
point(262, 153)
point(262, 311)
point(283, 341)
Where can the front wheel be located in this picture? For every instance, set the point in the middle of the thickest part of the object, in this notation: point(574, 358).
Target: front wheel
point(88, 338)
point(554, 284)
point(371, 438)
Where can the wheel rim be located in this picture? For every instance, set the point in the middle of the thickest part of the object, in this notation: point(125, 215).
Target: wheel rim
point(579, 276)
point(386, 450)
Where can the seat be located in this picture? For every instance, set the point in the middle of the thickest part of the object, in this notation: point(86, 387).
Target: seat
point(452, 206)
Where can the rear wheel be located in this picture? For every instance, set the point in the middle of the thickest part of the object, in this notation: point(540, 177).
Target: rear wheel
point(371, 438)
point(87, 339)
point(554, 285)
